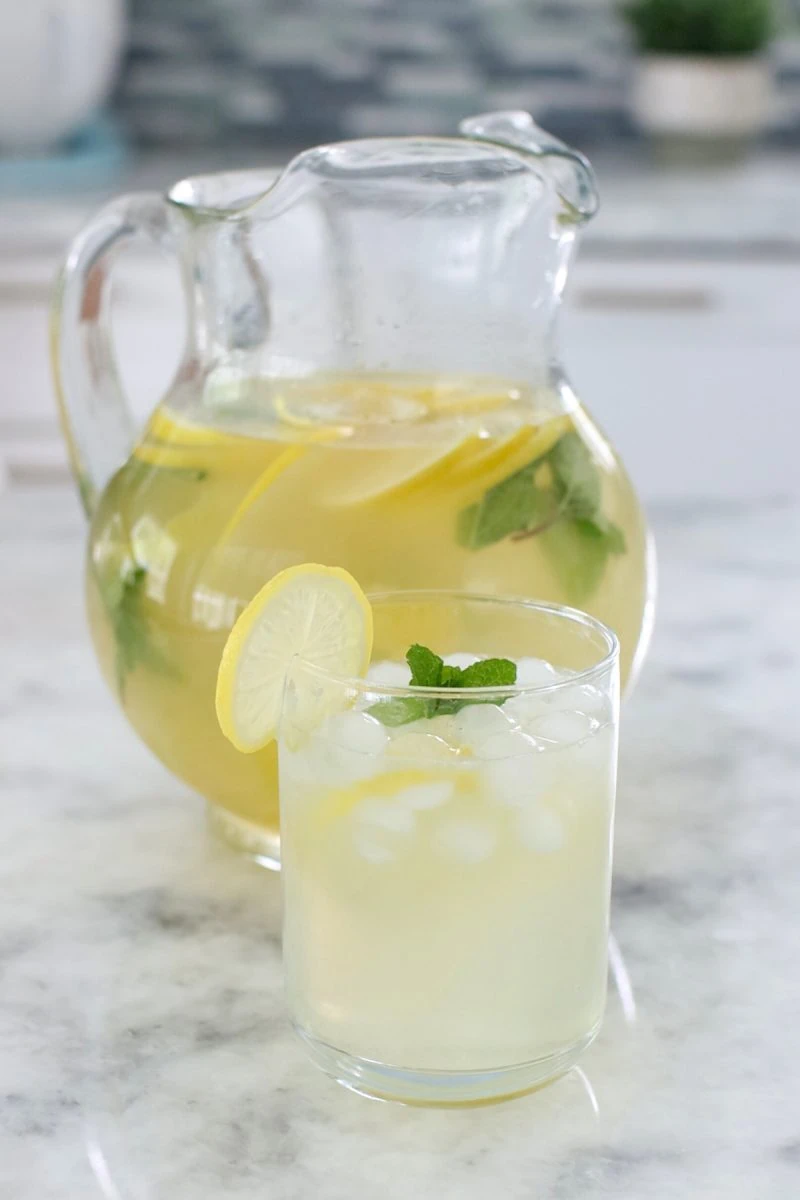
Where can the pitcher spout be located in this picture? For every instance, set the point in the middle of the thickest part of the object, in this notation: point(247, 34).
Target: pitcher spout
point(571, 172)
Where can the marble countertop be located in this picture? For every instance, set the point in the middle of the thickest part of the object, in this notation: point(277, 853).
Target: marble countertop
point(145, 1053)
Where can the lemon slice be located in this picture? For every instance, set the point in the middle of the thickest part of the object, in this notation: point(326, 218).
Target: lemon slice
point(174, 444)
point(318, 614)
point(265, 480)
point(372, 474)
point(166, 427)
point(503, 458)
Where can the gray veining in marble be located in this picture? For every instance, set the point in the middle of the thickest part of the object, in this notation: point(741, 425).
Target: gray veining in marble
point(141, 1023)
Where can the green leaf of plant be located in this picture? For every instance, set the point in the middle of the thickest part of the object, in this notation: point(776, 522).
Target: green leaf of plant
point(426, 667)
point(701, 27)
point(399, 710)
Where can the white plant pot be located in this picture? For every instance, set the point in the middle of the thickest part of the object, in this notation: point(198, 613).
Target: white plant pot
point(57, 64)
point(714, 98)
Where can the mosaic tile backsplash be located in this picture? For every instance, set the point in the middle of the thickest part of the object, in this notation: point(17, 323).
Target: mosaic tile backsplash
point(293, 72)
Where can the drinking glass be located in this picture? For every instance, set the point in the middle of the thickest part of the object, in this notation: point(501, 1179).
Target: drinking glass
point(447, 852)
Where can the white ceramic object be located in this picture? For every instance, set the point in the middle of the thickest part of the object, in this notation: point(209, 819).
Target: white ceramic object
point(57, 64)
point(702, 97)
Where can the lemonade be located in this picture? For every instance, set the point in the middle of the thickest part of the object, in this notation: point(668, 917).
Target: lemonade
point(446, 879)
point(446, 890)
point(405, 482)
point(446, 826)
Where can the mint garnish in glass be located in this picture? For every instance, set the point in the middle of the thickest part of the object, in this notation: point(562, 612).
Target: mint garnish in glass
point(429, 670)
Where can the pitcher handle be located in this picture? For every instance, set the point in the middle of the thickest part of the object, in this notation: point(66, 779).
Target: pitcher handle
point(93, 409)
point(575, 179)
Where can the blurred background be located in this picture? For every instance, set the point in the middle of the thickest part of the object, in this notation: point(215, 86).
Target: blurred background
point(681, 312)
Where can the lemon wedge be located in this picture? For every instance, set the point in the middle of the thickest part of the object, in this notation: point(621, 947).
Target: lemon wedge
point(316, 613)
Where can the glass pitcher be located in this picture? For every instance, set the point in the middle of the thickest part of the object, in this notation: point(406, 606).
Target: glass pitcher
point(370, 379)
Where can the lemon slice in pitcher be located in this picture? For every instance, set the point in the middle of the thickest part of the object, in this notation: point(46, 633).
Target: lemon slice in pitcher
point(318, 614)
point(366, 475)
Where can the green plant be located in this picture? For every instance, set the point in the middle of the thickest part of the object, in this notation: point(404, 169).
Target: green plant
point(701, 27)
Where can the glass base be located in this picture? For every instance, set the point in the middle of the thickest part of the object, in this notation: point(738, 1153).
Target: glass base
point(258, 843)
point(442, 1088)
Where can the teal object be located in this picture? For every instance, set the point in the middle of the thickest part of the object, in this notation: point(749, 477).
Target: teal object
point(91, 158)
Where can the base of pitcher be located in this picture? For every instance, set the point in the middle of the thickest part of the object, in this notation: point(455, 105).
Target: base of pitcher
point(261, 845)
point(379, 1081)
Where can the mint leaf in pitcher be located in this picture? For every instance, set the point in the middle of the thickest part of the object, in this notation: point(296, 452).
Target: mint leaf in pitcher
point(557, 498)
point(576, 480)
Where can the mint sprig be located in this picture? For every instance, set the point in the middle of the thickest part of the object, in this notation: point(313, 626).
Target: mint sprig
point(557, 497)
point(122, 595)
point(429, 670)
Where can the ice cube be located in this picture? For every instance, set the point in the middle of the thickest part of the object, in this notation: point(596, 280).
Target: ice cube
point(390, 815)
point(584, 698)
point(445, 727)
point(460, 660)
point(596, 755)
point(357, 731)
point(506, 743)
point(465, 841)
point(536, 672)
point(525, 708)
point(391, 674)
point(382, 829)
point(540, 829)
point(426, 795)
point(420, 748)
point(518, 779)
point(564, 727)
point(478, 722)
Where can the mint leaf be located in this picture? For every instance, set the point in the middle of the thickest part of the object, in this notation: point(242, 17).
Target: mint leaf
point(576, 479)
point(508, 507)
point(566, 516)
point(579, 553)
point(424, 664)
point(426, 667)
point(122, 596)
point(491, 672)
point(615, 538)
point(400, 710)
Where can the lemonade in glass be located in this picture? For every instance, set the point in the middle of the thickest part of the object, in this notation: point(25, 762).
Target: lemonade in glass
point(446, 822)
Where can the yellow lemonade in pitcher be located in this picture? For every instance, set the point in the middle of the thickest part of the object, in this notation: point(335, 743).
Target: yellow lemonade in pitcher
point(405, 482)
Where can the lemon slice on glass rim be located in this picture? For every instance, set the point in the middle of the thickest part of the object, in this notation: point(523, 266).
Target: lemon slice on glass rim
point(317, 614)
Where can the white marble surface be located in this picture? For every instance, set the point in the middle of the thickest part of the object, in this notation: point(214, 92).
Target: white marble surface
point(140, 1004)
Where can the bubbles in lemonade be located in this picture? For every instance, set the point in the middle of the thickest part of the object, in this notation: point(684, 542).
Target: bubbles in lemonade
point(449, 912)
point(405, 482)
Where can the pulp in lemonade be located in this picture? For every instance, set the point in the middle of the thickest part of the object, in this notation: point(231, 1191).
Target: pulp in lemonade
point(403, 481)
point(447, 881)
